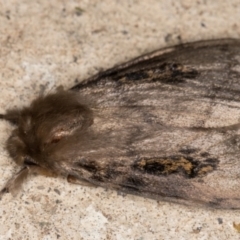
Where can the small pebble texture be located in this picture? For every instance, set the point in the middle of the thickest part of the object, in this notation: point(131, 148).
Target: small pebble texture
point(46, 44)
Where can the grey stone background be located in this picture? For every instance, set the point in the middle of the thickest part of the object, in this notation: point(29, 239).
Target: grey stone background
point(45, 44)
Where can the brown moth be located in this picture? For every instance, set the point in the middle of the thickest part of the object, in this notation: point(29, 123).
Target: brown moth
point(165, 125)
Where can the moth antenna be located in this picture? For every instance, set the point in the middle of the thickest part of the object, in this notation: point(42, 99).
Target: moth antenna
point(14, 184)
point(11, 116)
point(2, 116)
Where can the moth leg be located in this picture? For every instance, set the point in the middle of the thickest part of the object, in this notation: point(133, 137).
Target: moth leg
point(74, 180)
point(42, 171)
point(15, 182)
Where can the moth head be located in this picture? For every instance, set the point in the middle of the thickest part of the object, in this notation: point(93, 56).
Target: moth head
point(41, 126)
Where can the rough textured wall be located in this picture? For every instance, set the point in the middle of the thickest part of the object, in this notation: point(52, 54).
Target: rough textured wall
point(45, 44)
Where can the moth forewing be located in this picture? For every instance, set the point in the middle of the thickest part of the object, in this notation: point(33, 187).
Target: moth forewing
point(164, 125)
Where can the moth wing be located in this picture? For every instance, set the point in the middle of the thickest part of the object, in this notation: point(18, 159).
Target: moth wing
point(166, 125)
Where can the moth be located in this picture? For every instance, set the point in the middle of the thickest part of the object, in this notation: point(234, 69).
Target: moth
point(165, 125)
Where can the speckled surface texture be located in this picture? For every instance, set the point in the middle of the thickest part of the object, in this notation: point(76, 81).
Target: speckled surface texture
point(45, 44)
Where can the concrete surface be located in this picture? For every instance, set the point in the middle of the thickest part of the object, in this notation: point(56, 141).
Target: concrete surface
point(45, 44)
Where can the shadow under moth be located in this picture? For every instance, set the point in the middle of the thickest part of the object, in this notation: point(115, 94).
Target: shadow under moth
point(165, 125)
